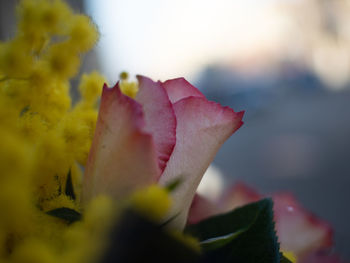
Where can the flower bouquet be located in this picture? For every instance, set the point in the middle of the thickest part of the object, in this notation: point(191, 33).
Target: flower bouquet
point(114, 179)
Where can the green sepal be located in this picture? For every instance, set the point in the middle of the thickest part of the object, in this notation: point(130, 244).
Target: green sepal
point(65, 213)
point(245, 234)
point(172, 185)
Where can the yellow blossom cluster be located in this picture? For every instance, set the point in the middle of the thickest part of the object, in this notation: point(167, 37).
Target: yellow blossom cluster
point(45, 136)
point(129, 88)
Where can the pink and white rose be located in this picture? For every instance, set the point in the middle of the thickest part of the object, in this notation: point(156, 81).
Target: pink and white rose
point(169, 131)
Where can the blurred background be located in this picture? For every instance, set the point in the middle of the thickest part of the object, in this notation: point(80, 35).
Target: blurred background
point(285, 62)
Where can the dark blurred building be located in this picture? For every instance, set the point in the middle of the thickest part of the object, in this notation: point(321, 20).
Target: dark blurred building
point(295, 138)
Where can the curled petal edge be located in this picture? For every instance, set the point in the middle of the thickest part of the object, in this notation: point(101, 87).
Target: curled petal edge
point(119, 142)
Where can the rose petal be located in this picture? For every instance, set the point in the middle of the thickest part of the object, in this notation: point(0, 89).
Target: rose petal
point(180, 88)
point(122, 156)
point(321, 257)
point(159, 116)
point(202, 127)
point(201, 208)
point(238, 195)
point(299, 231)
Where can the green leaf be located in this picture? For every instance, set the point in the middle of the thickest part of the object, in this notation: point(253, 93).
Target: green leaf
point(69, 191)
point(217, 242)
point(225, 224)
point(243, 235)
point(172, 185)
point(65, 213)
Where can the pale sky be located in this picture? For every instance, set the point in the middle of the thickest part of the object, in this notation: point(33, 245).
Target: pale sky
point(166, 39)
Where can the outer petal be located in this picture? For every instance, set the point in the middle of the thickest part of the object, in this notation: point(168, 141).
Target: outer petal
point(201, 208)
point(299, 231)
point(238, 195)
point(180, 88)
point(159, 116)
point(202, 127)
point(122, 156)
point(321, 257)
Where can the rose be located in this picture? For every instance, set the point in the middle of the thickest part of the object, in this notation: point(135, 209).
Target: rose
point(169, 131)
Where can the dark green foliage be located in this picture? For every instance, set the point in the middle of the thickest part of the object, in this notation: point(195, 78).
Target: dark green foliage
point(135, 239)
point(69, 191)
point(67, 214)
point(244, 235)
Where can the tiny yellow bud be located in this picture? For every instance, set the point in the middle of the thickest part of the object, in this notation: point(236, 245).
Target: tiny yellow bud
point(34, 250)
point(53, 16)
point(129, 88)
point(83, 33)
point(152, 202)
point(124, 75)
point(14, 61)
point(63, 62)
point(91, 86)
